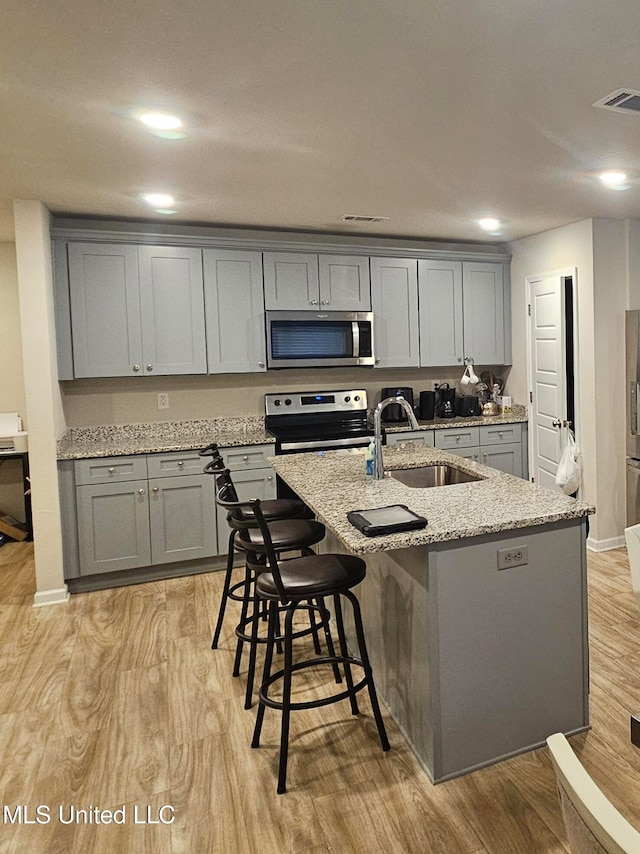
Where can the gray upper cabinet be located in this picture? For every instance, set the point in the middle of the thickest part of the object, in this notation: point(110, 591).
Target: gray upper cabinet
point(234, 305)
point(344, 283)
point(441, 325)
point(464, 313)
point(136, 310)
point(394, 299)
point(172, 308)
point(484, 313)
point(105, 310)
point(294, 281)
point(291, 281)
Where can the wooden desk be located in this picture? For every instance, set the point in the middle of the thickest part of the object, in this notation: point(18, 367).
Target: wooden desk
point(23, 456)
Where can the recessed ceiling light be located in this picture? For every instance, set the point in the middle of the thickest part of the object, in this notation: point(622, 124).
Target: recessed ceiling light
point(616, 180)
point(166, 211)
point(160, 121)
point(489, 224)
point(159, 200)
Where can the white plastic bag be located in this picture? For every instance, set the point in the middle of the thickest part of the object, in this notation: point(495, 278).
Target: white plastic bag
point(569, 472)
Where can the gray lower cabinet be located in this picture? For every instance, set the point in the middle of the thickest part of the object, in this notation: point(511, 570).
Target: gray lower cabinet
point(135, 310)
point(252, 476)
point(394, 302)
point(501, 446)
point(113, 526)
point(234, 306)
point(142, 511)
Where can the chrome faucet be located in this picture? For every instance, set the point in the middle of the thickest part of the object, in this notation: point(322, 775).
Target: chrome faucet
point(378, 466)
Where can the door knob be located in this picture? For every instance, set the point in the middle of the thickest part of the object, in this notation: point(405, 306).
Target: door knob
point(556, 422)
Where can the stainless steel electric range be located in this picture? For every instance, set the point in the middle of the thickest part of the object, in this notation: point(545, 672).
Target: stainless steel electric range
point(317, 421)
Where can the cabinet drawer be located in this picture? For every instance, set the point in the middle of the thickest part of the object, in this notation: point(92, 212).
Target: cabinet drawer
point(412, 437)
point(175, 463)
point(110, 470)
point(499, 434)
point(464, 437)
point(247, 456)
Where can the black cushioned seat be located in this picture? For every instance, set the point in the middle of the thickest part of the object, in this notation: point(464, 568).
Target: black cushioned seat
point(313, 576)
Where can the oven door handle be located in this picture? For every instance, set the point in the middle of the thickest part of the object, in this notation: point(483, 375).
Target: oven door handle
point(315, 445)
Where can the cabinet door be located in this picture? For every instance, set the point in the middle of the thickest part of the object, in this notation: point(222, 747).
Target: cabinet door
point(172, 307)
point(344, 283)
point(234, 302)
point(113, 526)
point(182, 512)
point(394, 299)
point(252, 483)
point(483, 311)
point(468, 453)
point(440, 299)
point(290, 281)
point(506, 458)
point(105, 310)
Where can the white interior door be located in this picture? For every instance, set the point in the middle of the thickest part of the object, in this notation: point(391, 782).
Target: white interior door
point(547, 360)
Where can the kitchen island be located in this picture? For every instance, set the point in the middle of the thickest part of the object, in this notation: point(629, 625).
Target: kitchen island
point(476, 624)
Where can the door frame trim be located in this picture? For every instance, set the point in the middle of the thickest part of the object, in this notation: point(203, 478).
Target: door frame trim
point(564, 273)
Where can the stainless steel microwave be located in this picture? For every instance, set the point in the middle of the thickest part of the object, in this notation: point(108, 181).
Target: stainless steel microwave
point(298, 339)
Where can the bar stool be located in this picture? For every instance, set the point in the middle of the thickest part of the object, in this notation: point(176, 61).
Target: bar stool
point(277, 508)
point(286, 535)
point(287, 584)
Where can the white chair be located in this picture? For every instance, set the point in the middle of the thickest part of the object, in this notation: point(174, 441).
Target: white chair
point(592, 823)
point(632, 536)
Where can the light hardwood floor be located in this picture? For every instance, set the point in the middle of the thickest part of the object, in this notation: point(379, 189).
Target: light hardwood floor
point(116, 699)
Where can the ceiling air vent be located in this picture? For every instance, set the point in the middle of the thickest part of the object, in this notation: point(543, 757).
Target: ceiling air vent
point(360, 218)
point(621, 101)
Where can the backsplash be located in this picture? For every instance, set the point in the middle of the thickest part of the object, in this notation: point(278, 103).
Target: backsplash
point(128, 400)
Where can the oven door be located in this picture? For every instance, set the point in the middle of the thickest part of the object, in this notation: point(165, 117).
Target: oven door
point(312, 339)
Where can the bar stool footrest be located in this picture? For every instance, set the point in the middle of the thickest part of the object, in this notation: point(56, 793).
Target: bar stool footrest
point(312, 704)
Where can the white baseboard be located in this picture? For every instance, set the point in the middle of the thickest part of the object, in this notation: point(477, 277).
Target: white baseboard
point(605, 545)
point(51, 597)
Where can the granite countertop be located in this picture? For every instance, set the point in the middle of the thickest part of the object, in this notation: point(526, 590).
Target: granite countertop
point(118, 440)
point(334, 483)
point(161, 436)
point(516, 416)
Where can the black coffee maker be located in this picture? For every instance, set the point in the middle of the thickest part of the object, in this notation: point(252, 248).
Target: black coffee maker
point(445, 401)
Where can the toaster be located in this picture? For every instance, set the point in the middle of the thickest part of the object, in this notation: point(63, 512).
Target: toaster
point(468, 405)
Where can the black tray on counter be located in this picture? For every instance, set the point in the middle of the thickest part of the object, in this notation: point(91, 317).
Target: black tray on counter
point(386, 520)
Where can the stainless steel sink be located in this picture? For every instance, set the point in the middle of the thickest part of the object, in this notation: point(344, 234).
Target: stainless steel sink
point(436, 475)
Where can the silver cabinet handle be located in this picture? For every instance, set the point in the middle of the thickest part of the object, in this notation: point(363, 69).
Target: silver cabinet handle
point(180, 463)
point(269, 477)
point(458, 438)
point(156, 489)
point(485, 455)
point(500, 433)
point(377, 361)
point(261, 364)
point(313, 302)
point(141, 492)
point(475, 456)
point(245, 457)
point(325, 302)
point(459, 358)
point(149, 367)
point(111, 469)
point(136, 368)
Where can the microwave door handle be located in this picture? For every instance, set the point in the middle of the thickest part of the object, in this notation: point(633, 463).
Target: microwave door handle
point(355, 332)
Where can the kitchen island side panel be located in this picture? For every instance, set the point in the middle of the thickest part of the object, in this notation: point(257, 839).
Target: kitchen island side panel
point(512, 659)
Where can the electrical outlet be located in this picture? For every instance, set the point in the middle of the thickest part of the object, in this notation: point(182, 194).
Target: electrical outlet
point(163, 400)
point(436, 383)
point(516, 556)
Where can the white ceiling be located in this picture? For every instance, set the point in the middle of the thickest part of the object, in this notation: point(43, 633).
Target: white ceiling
point(431, 113)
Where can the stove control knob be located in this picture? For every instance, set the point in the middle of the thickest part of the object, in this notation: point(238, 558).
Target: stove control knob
point(357, 397)
point(287, 402)
point(347, 399)
point(276, 403)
